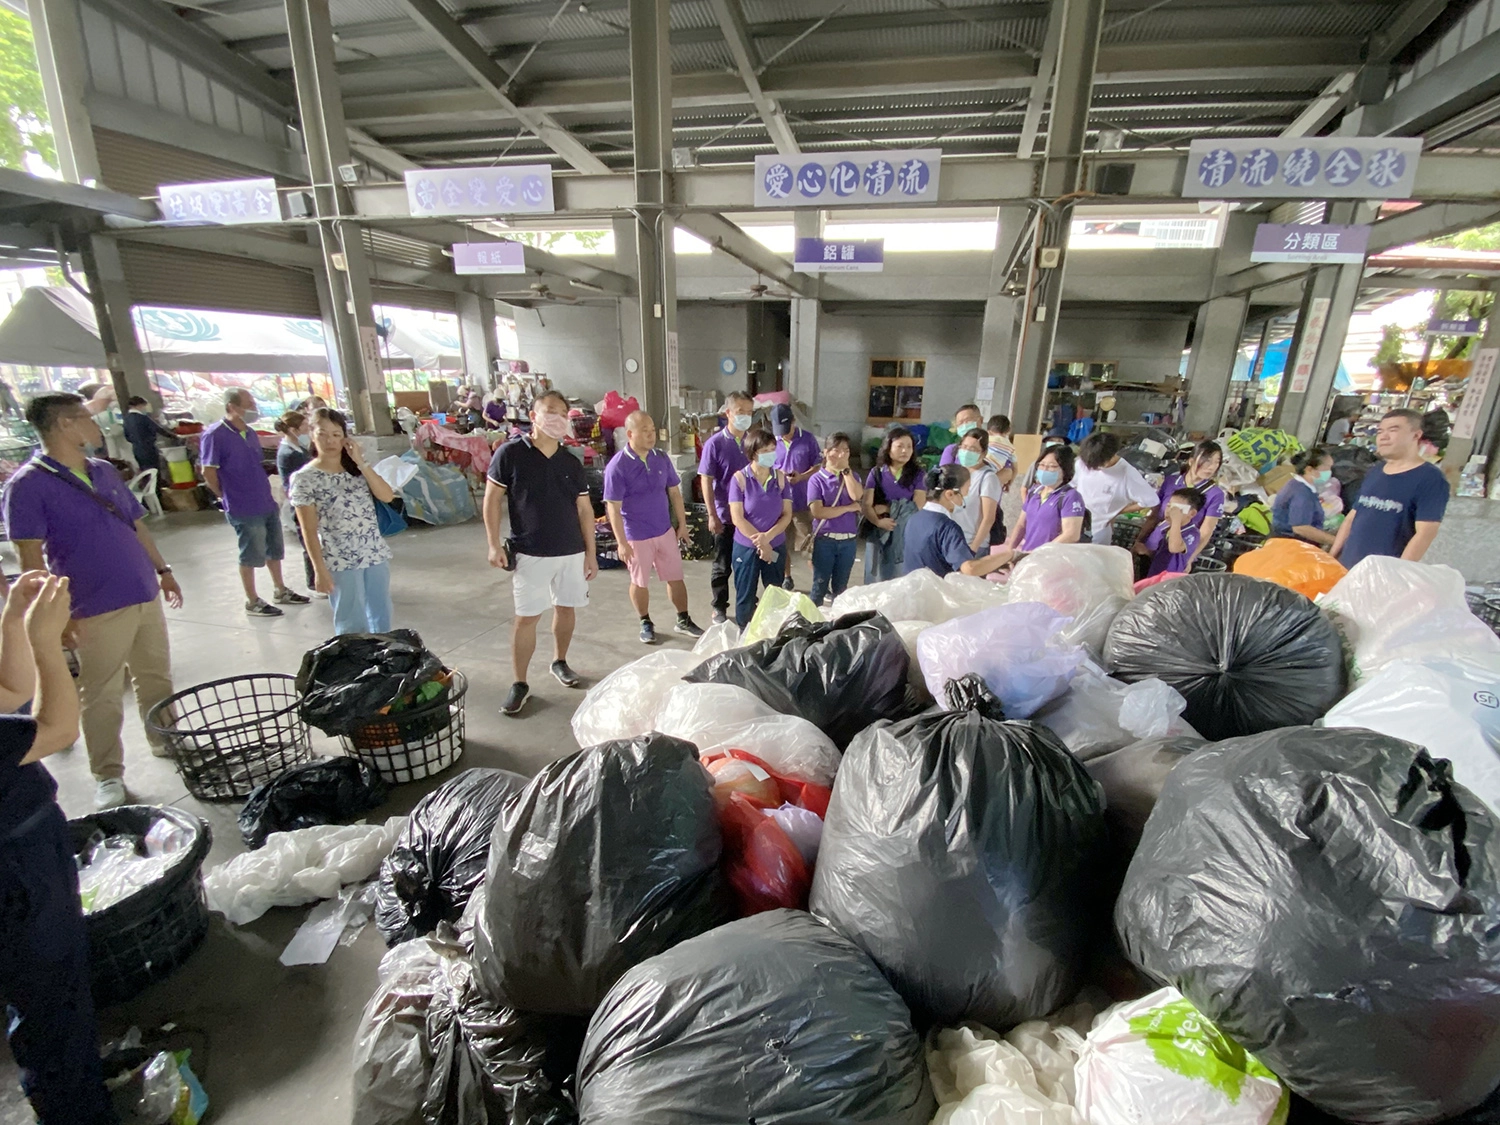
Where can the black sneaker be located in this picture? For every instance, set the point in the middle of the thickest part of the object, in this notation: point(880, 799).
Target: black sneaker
point(720, 617)
point(686, 627)
point(648, 634)
point(565, 675)
point(788, 584)
point(259, 608)
point(519, 694)
point(287, 596)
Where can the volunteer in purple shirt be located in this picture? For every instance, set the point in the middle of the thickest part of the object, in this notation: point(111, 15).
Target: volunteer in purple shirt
point(72, 515)
point(229, 453)
point(797, 458)
point(760, 504)
point(722, 458)
point(1203, 467)
point(1053, 512)
point(643, 494)
point(894, 492)
point(968, 418)
point(833, 497)
point(1173, 544)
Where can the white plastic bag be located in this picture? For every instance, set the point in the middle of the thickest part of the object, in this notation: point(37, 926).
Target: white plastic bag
point(294, 868)
point(718, 717)
point(919, 595)
point(395, 472)
point(1390, 609)
point(909, 631)
point(1087, 582)
point(803, 827)
point(1016, 648)
point(1099, 714)
point(1022, 1078)
point(625, 702)
point(1452, 707)
point(1160, 1060)
point(964, 594)
point(716, 639)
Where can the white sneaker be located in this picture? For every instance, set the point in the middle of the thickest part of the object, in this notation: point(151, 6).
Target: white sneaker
point(109, 793)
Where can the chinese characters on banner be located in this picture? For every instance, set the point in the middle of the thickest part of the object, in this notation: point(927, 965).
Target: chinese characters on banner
point(1466, 421)
point(225, 202)
point(1310, 242)
point(489, 257)
point(822, 255)
point(1303, 168)
point(369, 342)
point(511, 190)
point(1440, 327)
point(1317, 317)
point(674, 370)
point(836, 179)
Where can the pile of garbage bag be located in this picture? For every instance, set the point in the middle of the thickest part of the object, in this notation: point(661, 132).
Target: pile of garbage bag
point(327, 791)
point(357, 677)
point(960, 852)
point(1247, 655)
point(721, 717)
point(1330, 899)
point(1085, 582)
point(774, 1019)
point(1294, 564)
point(921, 596)
point(1099, 714)
point(607, 857)
point(439, 859)
point(624, 704)
point(1018, 649)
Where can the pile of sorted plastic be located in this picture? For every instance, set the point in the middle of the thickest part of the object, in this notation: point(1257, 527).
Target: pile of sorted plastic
point(112, 868)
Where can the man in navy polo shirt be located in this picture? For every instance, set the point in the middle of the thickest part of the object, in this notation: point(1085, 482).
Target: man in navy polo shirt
point(643, 492)
point(1401, 500)
point(722, 458)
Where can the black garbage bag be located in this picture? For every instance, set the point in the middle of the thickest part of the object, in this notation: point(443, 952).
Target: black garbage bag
point(840, 675)
point(774, 1019)
point(432, 1049)
point(346, 681)
point(1331, 899)
point(1131, 778)
point(440, 855)
point(608, 857)
point(1247, 655)
point(329, 791)
point(1350, 464)
point(961, 852)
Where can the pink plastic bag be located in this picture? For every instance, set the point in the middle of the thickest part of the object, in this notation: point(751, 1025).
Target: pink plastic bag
point(614, 410)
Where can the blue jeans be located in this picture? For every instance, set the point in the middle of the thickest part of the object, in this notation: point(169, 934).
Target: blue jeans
point(362, 600)
point(832, 561)
point(748, 568)
point(259, 538)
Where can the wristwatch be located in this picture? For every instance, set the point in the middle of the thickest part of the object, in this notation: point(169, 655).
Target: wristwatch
point(164, 569)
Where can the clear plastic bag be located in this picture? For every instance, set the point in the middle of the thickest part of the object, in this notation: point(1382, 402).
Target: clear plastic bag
point(776, 605)
point(719, 717)
point(918, 595)
point(116, 870)
point(982, 1078)
point(1087, 582)
point(624, 704)
point(1017, 649)
point(716, 639)
point(1099, 714)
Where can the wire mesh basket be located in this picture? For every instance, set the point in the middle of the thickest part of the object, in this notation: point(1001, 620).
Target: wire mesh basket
point(1124, 531)
point(410, 745)
point(228, 736)
point(1485, 604)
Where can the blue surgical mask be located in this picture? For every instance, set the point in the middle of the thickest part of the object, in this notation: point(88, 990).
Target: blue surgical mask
point(1048, 478)
point(1325, 476)
point(304, 440)
point(766, 460)
point(250, 417)
point(741, 421)
point(968, 458)
point(965, 427)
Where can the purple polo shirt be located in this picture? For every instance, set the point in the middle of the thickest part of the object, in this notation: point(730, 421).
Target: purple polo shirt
point(242, 473)
point(832, 492)
point(640, 488)
point(1044, 517)
point(892, 488)
point(762, 503)
point(81, 538)
point(1213, 499)
point(1162, 558)
point(950, 455)
point(797, 454)
point(722, 458)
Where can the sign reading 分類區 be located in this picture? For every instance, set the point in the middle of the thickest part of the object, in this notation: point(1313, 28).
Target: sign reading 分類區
point(1303, 168)
point(842, 179)
point(1310, 242)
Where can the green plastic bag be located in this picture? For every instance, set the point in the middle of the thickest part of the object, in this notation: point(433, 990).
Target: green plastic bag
point(776, 605)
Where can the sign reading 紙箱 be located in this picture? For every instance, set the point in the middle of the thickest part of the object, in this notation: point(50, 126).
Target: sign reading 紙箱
point(1310, 242)
point(512, 190)
point(823, 255)
point(1437, 326)
point(224, 202)
point(1303, 168)
point(840, 179)
point(489, 257)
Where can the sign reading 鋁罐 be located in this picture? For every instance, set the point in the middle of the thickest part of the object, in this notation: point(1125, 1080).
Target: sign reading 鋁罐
point(511, 190)
point(1310, 242)
point(841, 179)
point(824, 255)
point(224, 202)
point(489, 257)
point(1302, 168)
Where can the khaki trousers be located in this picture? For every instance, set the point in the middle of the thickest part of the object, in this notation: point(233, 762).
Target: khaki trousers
point(130, 642)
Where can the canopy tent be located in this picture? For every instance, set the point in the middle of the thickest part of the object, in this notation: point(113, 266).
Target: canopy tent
point(51, 327)
point(1275, 365)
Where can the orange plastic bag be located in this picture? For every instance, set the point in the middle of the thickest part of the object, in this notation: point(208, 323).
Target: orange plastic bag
point(1294, 564)
point(803, 794)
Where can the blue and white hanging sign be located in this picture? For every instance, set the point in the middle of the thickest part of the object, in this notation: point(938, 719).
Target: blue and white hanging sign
point(1324, 243)
point(841, 179)
point(222, 203)
point(1303, 168)
point(1468, 326)
point(516, 189)
point(824, 255)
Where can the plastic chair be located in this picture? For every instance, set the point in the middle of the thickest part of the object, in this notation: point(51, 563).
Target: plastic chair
point(143, 487)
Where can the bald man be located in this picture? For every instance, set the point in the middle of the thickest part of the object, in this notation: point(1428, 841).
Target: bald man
point(643, 494)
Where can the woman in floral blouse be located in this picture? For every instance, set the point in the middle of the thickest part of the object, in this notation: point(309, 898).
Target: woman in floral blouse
point(334, 496)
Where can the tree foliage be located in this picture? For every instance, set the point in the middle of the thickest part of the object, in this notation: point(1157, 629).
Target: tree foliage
point(24, 128)
point(1480, 238)
point(1392, 347)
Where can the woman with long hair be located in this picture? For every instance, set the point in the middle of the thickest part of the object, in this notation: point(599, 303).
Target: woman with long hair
point(894, 492)
point(335, 495)
point(1203, 466)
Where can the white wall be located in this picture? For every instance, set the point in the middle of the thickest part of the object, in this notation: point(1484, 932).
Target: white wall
point(577, 346)
point(706, 333)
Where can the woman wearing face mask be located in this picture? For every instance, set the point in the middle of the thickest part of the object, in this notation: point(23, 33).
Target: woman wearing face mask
point(760, 506)
point(980, 515)
point(833, 495)
point(934, 538)
point(1297, 513)
point(1054, 510)
point(1203, 467)
point(291, 455)
point(894, 492)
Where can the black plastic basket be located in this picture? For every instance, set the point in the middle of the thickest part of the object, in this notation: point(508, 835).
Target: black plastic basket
point(1485, 605)
point(228, 736)
point(146, 937)
point(410, 745)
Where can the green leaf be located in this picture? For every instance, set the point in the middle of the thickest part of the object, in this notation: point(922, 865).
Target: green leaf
point(24, 126)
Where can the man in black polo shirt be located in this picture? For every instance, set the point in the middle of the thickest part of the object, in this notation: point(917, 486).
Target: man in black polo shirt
point(551, 533)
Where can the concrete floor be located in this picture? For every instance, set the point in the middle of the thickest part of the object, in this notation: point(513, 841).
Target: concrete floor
point(273, 1044)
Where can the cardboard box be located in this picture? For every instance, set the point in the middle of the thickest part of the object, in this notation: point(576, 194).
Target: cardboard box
point(1275, 477)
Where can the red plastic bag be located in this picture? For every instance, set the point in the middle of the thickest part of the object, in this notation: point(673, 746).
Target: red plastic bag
point(614, 410)
point(803, 794)
point(763, 867)
point(1155, 579)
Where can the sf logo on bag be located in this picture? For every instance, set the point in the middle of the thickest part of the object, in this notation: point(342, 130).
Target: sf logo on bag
point(1486, 699)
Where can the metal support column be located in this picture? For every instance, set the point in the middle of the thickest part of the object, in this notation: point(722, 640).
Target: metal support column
point(341, 240)
point(632, 347)
point(57, 31)
point(1216, 343)
point(1062, 177)
point(807, 314)
point(478, 337)
point(1003, 311)
point(122, 350)
point(656, 274)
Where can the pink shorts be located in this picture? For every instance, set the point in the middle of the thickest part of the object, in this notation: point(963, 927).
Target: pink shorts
point(663, 553)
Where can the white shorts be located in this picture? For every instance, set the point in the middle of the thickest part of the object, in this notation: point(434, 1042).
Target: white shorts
point(539, 582)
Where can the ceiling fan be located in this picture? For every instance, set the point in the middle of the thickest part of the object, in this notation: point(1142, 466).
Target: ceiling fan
point(541, 291)
point(757, 292)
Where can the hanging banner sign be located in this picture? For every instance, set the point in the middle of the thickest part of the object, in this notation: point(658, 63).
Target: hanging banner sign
point(840, 179)
point(1303, 168)
point(223, 202)
point(1439, 327)
point(1317, 318)
point(489, 257)
point(516, 189)
point(1310, 242)
point(821, 255)
point(1466, 421)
